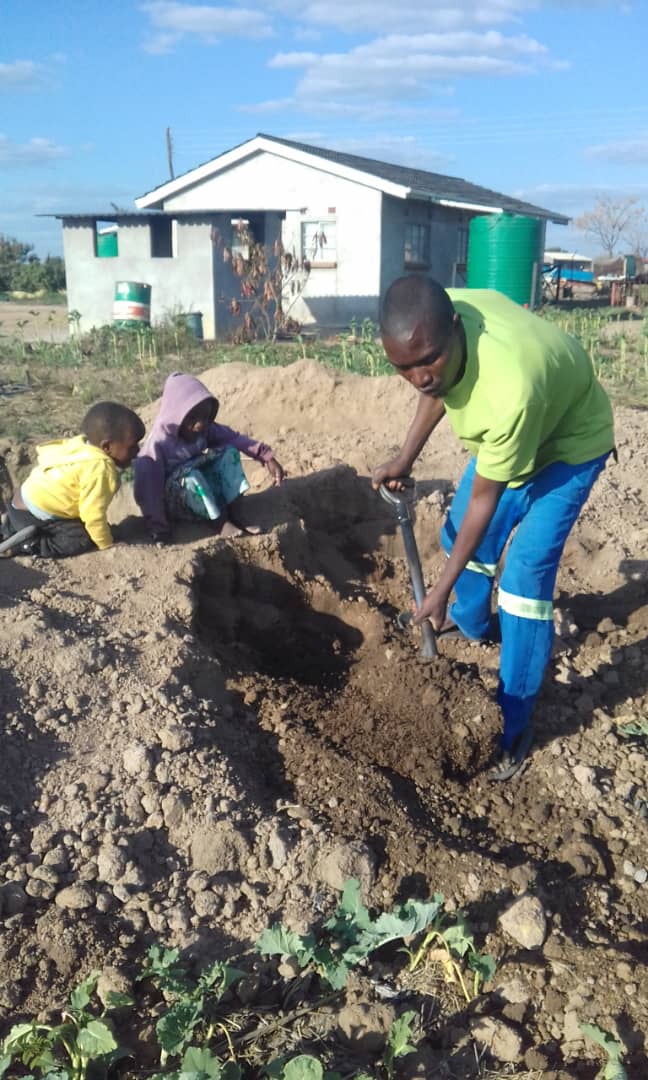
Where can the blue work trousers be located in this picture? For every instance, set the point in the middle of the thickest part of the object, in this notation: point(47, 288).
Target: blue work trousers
point(542, 512)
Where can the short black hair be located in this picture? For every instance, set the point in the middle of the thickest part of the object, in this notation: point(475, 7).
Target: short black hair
point(107, 421)
point(412, 300)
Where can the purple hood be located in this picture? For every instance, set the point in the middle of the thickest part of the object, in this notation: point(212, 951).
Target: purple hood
point(164, 449)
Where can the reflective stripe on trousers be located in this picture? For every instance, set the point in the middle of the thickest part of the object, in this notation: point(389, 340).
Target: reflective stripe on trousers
point(542, 512)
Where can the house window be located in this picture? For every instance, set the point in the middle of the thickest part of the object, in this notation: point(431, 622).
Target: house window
point(242, 238)
point(162, 235)
point(417, 246)
point(319, 243)
point(246, 233)
point(106, 240)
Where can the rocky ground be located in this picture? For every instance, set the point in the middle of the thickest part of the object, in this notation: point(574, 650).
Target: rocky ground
point(201, 739)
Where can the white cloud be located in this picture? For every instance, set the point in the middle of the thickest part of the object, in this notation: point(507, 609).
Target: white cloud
point(35, 152)
point(621, 151)
point(293, 59)
point(172, 21)
point(22, 75)
point(381, 16)
point(406, 65)
point(366, 111)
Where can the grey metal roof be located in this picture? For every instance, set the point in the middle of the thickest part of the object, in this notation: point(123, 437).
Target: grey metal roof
point(119, 215)
point(432, 185)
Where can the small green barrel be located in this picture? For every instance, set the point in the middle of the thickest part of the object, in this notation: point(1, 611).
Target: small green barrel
point(107, 244)
point(193, 321)
point(505, 253)
point(132, 307)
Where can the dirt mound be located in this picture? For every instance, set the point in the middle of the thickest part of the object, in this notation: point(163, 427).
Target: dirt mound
point(203, 738)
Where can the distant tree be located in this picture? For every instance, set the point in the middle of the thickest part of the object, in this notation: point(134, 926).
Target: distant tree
point(21, 269)
point(12, 254)
point(637, 238)
point(611, 220)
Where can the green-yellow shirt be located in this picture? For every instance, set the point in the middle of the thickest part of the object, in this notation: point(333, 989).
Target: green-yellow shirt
point(528, 396)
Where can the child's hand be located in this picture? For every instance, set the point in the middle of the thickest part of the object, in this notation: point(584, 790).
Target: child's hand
point(276, 471)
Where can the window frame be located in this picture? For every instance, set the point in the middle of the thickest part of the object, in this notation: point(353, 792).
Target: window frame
point(170, 236)
point(322, 224)
point(423, 227)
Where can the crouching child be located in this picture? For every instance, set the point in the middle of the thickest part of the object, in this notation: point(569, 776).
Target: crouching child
point(190, 468)
point(67, 494)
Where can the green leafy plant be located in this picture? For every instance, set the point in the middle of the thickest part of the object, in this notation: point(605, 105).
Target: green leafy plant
point(303, 1067)
point(349, 937)
point(198, 1063)
point(191, 1000)
point(398, 1042)
point(634, 729)
point(65, 1051)
point(458, 944)
point(614, 1069)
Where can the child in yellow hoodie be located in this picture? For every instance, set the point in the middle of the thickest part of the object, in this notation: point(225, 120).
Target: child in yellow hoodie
point(66, 495)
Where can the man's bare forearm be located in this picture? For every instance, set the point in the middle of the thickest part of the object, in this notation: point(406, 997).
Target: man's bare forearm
point(429, 412)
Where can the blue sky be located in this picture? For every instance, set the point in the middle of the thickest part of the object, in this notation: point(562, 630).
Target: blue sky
point(547, 101)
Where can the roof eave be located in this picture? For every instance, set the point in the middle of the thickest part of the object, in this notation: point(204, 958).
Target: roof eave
point(157, 197)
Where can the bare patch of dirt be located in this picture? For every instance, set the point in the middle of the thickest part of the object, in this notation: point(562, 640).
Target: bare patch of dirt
point(34, 321)
point(203, 739)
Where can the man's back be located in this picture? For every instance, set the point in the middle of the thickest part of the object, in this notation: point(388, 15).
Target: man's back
point(529, 396)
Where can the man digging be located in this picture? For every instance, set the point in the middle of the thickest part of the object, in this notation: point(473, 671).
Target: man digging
point(522, 397)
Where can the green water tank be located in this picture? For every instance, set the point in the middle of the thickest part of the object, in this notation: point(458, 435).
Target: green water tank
point(505, 253)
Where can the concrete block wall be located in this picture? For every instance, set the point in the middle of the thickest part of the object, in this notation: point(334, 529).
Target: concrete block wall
point(182, 283)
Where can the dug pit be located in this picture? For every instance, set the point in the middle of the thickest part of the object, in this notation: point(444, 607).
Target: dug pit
point(332, 675)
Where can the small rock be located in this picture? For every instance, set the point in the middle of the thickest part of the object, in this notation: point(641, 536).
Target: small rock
point(535, 1059)
point(173, 811)
point(525, 922)
point(219, 848)
point(206, 904)
point(13, 898)
point(640, 876)
point(112, 981)
point(503, 1041)
point(584, 775)
point(9, 995)
point(343, 861)
point(512, 991)
point(571, 1027)
point(137, 761)
point(278, 847)
point(40, 890)
point(178, 918)
point(111, 863)
point(175, 738)
point(365, 1027)
point(75, 897)
point(289, 967)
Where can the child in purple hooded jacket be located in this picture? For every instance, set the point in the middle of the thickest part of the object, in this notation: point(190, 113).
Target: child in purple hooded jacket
point(190, 467)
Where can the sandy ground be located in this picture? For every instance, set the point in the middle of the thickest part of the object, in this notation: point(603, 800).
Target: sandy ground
point(34, 321)
point(205, 737)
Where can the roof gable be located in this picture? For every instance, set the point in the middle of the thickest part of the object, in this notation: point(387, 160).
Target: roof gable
point(400, 181)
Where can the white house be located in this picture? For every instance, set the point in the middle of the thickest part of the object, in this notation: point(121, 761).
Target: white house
point(359, 222)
